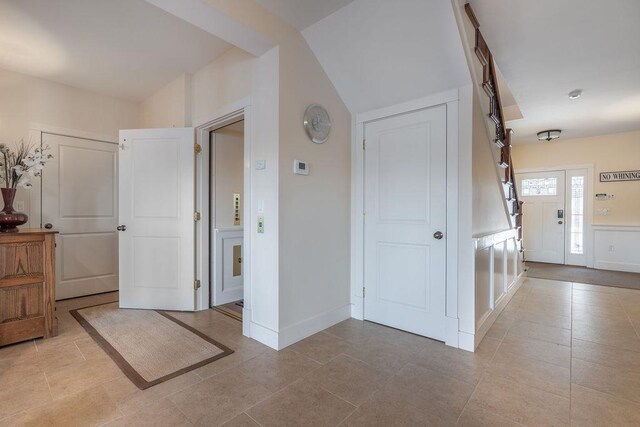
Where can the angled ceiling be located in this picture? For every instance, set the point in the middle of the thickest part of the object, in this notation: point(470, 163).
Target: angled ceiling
point(302, 13)
point(123, 48)
point(379, 53)
point(547, 48)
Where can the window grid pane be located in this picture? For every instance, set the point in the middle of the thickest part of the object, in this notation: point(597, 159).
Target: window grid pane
point(539, 187)
point(577, 215)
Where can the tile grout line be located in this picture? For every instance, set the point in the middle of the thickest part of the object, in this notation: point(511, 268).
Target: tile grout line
point(475, 387)
point(250, 417)
point(624, 310)
point(571, 357)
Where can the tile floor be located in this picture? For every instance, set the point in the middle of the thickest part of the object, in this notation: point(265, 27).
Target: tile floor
point(559, 354)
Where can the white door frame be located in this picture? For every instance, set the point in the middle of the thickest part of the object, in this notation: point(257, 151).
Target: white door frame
point(455, 155)
point(588, 214)
point(231, 113)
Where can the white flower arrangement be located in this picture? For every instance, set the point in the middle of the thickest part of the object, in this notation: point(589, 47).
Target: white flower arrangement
point(17, 167)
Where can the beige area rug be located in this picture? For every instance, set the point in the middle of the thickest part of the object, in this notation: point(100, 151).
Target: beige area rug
point(568, 273)
point(149, 346)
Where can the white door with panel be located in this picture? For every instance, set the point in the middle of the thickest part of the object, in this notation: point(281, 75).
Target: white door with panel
point(157, 205)
point(544, 215)
point(405, 217)
point(79, 199)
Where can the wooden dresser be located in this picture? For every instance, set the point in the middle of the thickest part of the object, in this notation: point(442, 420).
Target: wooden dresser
point(27, 285)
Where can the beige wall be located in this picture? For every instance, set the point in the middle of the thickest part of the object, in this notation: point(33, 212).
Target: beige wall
point(227, 79)
point(314, 211)
point(229, 157)
point(168, 107)
point(25, 100)
point(615, 152)
point(312, 276)
point(489, 215)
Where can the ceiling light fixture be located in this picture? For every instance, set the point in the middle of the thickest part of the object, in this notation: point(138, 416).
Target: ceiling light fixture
point(575, 94)
point(549, 135)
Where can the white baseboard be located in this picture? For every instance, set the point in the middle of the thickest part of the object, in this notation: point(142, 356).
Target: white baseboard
point(357, 307)
point(452, 325)
point(263, 334)
point(466, 341)
point(298, 331)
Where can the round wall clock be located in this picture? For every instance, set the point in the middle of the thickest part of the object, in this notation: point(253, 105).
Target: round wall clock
point(317, 123)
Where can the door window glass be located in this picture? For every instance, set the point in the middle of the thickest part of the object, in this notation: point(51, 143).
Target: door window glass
point(577, 215)
point(540, 186)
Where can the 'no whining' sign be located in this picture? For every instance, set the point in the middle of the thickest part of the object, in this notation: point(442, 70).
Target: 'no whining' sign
point(620, 176)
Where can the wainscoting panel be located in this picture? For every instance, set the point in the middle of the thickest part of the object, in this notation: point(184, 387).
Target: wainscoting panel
point(498, 274)
point(616, 248)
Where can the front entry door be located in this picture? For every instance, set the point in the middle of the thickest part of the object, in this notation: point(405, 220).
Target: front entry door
point(79, 200)
point(157, 205)
point(405, 217)
point(543, 215)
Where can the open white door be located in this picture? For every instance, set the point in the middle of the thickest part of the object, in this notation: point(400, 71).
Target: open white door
point(157, 205)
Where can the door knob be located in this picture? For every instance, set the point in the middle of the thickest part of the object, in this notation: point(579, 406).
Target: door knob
point(438, 235)
point(122, 228)
point(559, 222)
point(48, 226)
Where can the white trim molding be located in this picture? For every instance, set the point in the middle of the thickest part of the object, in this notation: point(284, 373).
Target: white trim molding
point(616, 247)
point(498, 277)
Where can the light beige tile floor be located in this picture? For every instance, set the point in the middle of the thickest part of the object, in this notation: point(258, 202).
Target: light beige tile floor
point(559, 354)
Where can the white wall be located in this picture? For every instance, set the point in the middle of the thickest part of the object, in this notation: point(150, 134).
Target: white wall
point(229, 171)
point(380, 53)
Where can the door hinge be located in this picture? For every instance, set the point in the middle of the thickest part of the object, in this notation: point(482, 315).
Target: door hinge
point(196, 284)
point(197, 148)
point(196, 216)
point(363, 292)
point(364, 144)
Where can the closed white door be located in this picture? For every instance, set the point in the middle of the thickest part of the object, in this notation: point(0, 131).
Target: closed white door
point(543, 219)
point(157, 205)
point(405, 217)
point(79, 199)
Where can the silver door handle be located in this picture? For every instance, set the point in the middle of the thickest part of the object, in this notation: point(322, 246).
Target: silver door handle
point(559, 222)
point(48, 226)
point(438, 235)
point(121, 228)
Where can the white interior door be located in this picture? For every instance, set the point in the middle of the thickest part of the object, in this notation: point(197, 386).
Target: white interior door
point(405, 210)
point(157, 204)
point(79, 199)
point(544, 215)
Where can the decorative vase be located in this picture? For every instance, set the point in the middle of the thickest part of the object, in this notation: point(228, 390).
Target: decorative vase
point(10, 219)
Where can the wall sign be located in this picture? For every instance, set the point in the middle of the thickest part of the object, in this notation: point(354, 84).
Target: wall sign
point(620, 176)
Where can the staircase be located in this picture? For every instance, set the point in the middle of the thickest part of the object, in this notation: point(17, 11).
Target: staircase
point(502, 133)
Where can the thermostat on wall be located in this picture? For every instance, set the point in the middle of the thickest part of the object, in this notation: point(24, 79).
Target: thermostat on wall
point(300, 167)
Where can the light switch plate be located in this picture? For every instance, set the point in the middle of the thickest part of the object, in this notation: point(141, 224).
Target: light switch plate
point(260, 224)
point(261, 165)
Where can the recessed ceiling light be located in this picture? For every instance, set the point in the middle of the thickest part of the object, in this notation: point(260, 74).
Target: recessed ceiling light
point(575, 94)
point(549, 135)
